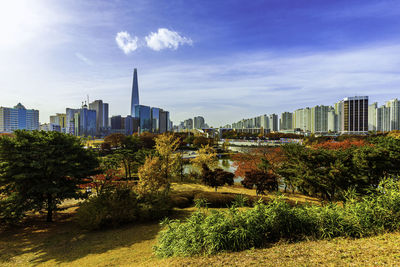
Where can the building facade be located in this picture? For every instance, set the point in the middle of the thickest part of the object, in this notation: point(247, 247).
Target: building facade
point(18, 118)
point(355, 115)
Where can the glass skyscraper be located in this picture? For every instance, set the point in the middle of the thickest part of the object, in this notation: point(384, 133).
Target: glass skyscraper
point(135, 93)
point(143, 113)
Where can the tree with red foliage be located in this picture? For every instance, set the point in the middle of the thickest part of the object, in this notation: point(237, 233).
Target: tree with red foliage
point(246, 162)
point(104, 181)
point(346, 144)
point(217, 177)
point(261, 180)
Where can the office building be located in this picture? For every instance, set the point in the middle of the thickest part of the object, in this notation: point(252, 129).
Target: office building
point(18, 118)
point(155, 120)
point(70, 120)
point(50, 127)
point(164, 121)
point(101, 115)
point(355, 115)
point(143, 114)
point(189, 124)
point(135, 93)
point(85, 122)
point(198, 122)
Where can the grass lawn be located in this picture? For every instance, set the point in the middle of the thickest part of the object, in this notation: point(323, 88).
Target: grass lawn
point(64, 243)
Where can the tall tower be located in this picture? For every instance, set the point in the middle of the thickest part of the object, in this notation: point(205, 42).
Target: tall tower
point(135, 93)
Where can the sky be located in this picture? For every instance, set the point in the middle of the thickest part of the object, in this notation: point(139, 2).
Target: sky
point(224, 60)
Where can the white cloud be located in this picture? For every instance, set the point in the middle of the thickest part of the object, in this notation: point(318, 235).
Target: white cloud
point(83, 58)
point(126, 42)
point(165, 38)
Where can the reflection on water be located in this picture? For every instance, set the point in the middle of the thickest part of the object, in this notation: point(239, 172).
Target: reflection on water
point(225, 164)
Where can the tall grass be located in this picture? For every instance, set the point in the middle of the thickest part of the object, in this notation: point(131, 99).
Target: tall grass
point(235, 230)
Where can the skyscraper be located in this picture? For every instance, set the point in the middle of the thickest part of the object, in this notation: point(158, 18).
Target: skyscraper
point(135, 93)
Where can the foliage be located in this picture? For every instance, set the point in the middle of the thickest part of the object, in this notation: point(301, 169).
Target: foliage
point(121, 205)
point(261, 180)
point(200, 141)
point(206, 155)
point(104, 181)
point(115, 140)
point(235, 230)
point(328, 171)
point(40, 169)
point(151, 178)
point(217, 177)
point(166, 145)
point(346, 144)
point(246, 162)
point(148, 140)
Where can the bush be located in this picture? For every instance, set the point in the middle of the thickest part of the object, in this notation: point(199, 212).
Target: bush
point(235, 230)
point(119, 206)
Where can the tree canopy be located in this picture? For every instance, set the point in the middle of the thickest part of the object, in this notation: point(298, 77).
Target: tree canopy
point(40, 169)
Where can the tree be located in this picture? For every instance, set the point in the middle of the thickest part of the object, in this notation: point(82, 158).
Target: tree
point(115, 140)
point(151, 178)
point(166, 145)
point(262, 180)
point(40, 169)
point(199, 141)
point(217, 177)
point(206, 155)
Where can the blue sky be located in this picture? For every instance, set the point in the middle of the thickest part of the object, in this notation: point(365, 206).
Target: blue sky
point(224, 60)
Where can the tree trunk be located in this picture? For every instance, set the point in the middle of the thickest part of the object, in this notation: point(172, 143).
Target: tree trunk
point(49, 208)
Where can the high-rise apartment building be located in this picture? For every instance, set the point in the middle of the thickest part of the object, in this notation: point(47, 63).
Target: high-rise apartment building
point(18, 118)
point(264, 121)
point(302, 119)
point(372, 117)
point(355, 115)
point(273, 122)
point(319, 119)
point(394, 114)
point(286, 121)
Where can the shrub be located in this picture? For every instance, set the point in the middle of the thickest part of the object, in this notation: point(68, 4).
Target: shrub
point(235, 230)
point(119, 206)
point(110, 208)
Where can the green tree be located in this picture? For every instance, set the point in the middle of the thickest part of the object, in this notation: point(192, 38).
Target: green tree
point(41, 169)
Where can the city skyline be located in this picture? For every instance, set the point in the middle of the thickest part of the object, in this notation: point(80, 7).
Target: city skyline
point(224, 61)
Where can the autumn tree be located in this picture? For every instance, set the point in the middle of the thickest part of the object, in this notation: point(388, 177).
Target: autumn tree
point(151, 177)
point(206, 155)
point(115, 140)
point(41, 169)
point(217, 177)
point(166, 146)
